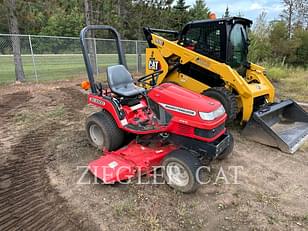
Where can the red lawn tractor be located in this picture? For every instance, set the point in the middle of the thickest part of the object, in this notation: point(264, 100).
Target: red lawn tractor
point(172, 128)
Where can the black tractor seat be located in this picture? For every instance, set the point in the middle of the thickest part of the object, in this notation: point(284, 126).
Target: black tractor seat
point(121, 82)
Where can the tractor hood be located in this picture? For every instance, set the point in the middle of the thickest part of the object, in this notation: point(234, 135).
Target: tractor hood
point(174, 95)
point(189, 108)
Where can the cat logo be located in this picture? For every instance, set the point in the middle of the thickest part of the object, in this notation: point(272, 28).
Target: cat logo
point(153, 65)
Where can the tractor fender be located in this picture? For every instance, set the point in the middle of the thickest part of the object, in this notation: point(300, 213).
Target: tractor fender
point(106, 104)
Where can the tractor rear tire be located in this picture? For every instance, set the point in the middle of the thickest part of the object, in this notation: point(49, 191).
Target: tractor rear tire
point(226, 98)
point(103, 132)
point(228, 151)
point(180, 169)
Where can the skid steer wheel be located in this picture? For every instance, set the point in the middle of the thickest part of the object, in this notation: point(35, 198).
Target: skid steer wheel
point(180, 169)
point(103, 132)
point(228, 151)
point(226, 98)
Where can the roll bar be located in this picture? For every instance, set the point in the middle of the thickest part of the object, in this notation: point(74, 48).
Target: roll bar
point(84, 48)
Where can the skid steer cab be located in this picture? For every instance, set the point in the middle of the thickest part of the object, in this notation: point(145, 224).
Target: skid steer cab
point(172, 128)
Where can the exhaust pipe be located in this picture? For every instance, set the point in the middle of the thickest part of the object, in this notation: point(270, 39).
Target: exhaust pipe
point(283, 125)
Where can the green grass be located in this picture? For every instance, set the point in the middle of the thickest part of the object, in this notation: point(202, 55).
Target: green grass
point(57, 67)
point(277, 73)
point(290, 82)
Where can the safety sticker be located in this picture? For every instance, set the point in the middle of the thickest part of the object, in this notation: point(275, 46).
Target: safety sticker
point(124, 122)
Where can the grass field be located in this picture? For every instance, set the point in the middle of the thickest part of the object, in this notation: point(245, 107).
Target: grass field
point(289, 82)
point(57, 67)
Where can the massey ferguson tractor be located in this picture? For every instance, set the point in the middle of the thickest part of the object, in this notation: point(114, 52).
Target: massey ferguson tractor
point(140, 129)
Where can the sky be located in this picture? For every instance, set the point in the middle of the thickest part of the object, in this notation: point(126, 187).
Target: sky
point(249, 8)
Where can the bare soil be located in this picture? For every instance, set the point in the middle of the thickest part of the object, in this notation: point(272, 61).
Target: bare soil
point(44, 153)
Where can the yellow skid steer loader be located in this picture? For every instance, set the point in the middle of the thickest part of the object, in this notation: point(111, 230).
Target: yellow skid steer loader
point(210, 57)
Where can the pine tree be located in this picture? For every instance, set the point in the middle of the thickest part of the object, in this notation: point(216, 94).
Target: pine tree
point(180, 14)
point(181, 5)
point(288, 14)
point(199, 10)
point(227, 13)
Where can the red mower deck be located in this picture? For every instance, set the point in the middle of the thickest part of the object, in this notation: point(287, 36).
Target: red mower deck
point(128, 162)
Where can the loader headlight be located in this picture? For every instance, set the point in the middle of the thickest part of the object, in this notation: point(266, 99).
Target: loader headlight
point(213, 114)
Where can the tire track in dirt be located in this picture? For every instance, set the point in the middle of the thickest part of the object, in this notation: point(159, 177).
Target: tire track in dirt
point(11, 101)
point(27, 200)
point(8, 104)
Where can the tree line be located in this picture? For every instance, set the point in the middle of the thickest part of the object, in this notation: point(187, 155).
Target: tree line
point(68, 17)
point(282, 41)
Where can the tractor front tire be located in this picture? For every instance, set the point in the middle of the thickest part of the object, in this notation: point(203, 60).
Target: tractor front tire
point(103, 132)
point(180, 169)
point(226, 98)
point(228, 151)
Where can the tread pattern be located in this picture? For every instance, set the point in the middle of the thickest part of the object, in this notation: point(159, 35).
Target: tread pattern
point(114, 134)
point(27, 199)
point(226, 98)
point(191, 161)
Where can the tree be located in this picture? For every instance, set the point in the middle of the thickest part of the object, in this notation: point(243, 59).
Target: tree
point(64, 23)
point(283, 48)
point(260, 48)
point(199, 10)
point(180, 14)
point(13, 29)
point(301, 7)
point(240, 14)
point(288, 14)
point(181, 5)
point(88, 14)
point(301, 53)
point(261, 27)
point(227, 13)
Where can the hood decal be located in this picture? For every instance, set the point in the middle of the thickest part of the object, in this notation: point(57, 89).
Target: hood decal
point(178, 109)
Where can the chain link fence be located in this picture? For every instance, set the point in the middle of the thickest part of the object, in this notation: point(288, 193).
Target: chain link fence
point(60, 58)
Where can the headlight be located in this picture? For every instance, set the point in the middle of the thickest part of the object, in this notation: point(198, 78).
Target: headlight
point(212, 115)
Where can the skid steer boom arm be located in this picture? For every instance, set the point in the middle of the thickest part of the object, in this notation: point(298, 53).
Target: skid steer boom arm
point(248, 88)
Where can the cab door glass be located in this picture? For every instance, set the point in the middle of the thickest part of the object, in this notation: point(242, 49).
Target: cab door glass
point(237, 39)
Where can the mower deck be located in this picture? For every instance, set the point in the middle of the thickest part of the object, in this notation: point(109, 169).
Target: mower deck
point(129, 161)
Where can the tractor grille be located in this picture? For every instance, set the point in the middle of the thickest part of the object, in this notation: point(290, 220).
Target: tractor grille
point(209, 133)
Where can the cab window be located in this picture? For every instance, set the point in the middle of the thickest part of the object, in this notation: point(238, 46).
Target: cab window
point(207, 40)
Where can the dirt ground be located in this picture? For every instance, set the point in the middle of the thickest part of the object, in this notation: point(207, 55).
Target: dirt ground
point(42, 143)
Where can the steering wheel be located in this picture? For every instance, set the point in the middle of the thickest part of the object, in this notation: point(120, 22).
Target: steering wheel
point(153, 76)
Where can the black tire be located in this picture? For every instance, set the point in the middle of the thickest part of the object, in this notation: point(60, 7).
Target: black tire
point(226, 98)
point(190, 165)
point(228, 151)
point(109, 135)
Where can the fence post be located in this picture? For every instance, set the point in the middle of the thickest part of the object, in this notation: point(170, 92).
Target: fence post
point(33, 61)
point(137, 58)
point(96, 62)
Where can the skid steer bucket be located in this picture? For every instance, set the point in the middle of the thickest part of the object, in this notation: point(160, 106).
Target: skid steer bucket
point(283, 125)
